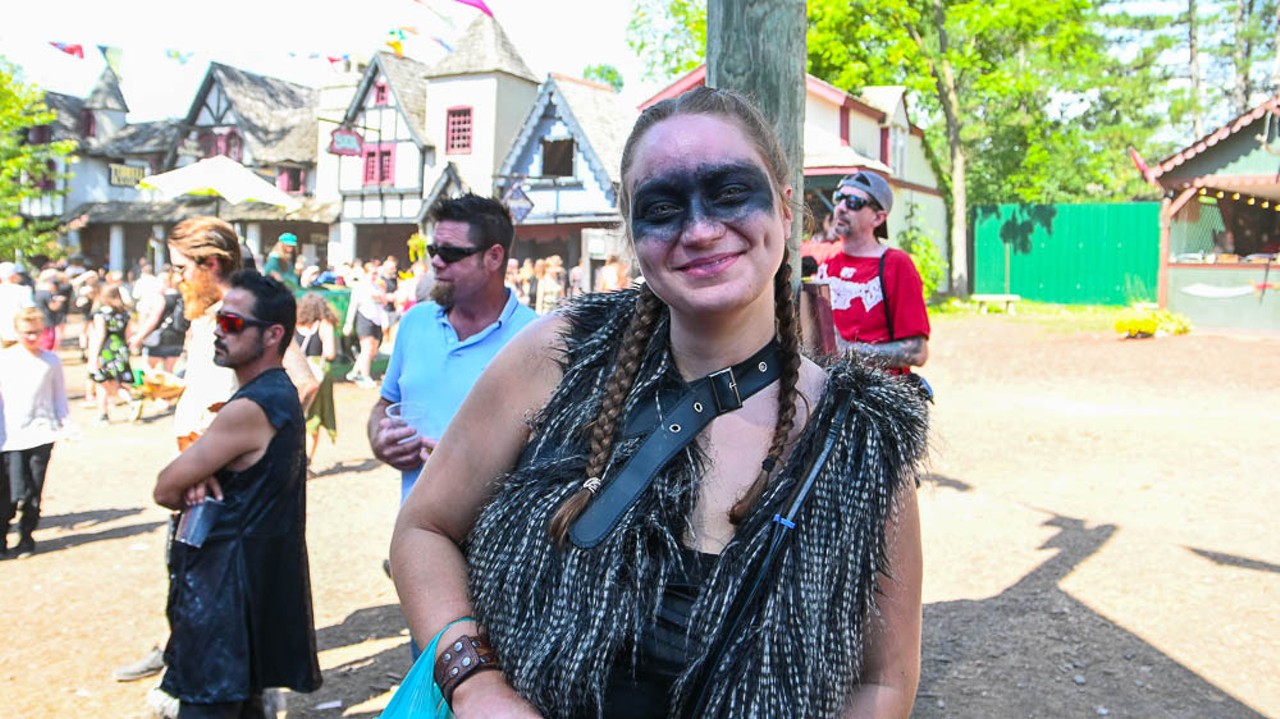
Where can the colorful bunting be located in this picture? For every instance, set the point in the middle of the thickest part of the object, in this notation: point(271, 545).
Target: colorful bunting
point(181, 57)
point(112, 55)
point(70, 49)
point(477, 4)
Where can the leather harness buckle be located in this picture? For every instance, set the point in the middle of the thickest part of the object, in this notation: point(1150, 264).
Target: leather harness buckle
point(724, 386)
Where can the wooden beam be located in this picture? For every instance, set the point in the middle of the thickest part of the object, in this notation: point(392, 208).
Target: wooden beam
point(758, 48)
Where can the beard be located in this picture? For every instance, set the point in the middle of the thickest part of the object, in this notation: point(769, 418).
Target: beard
point(199, 295)
point(223, 358)
point(442, 294)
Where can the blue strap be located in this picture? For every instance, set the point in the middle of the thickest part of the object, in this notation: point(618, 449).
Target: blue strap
point(779, 519)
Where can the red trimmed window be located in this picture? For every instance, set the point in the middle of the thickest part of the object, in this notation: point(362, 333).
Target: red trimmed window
point(39, 135)
point(46, 183)
point(208, 144)
point(379, 164)
point(291, 179)
point(233, 145)
point(88, 123)
point(458, 131)
point(380, 95)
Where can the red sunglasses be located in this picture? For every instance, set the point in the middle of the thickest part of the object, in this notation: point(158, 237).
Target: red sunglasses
point(231, 323)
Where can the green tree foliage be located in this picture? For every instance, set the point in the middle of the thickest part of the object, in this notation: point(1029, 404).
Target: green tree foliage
point(923, 249)
point(669, 36)
point(23, 166)
point(607, 74)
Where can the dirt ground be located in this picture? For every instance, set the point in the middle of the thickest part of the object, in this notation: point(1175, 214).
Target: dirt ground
point(1098, 529)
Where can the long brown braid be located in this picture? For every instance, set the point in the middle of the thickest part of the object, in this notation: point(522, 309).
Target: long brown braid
point(789, 348)
point(627, 365)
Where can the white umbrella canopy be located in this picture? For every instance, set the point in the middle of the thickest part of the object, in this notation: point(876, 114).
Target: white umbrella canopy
point(221, 177)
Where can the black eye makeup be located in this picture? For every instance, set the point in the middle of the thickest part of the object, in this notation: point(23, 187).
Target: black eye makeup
point(664, 205)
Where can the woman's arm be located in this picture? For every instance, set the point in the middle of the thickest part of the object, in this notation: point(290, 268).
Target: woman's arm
point(96, 337)
point(482, 442)
point(328, 345)
point(147, 324)
point(891, 665)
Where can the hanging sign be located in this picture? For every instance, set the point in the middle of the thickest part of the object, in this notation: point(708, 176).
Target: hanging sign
point(346, 142)
point(518, 203)
point(126, 175)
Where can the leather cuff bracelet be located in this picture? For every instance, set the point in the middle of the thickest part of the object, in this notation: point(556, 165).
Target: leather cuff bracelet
point(462, 659)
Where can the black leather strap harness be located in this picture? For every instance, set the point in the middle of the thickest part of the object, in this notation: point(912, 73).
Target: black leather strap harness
point(704, 400)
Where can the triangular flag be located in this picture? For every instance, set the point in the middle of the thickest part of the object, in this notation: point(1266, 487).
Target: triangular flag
point(68, 48)
point(477, 4)
point(181, 57)
point(112, 56)
point(397, 46)
point(442, 43)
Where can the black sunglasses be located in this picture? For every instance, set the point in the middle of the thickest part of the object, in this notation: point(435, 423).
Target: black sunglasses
point(232, 324)
point(452, 254)
point(854, 202)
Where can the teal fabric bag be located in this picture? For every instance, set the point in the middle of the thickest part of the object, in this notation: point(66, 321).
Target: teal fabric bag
point(419, 696)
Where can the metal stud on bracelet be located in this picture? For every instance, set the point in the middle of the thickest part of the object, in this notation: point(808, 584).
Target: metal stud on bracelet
point(466, 656)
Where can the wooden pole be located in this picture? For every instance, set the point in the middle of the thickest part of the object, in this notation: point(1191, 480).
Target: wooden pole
point(758, 48)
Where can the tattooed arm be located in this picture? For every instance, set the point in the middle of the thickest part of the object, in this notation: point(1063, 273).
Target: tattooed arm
point(908, 352)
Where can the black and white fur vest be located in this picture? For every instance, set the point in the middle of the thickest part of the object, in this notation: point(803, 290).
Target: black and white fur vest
point(563, 619)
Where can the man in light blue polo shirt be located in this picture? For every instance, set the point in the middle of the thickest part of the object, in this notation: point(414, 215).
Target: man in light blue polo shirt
point(442, 346)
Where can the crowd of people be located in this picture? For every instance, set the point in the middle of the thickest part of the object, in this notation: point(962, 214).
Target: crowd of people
point(759, 505)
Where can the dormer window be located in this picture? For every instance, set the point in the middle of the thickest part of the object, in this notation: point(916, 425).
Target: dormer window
point(233, 146)
point(557, 158)
point(208, 144)
point(39, 135)
point(380, 94)
point(458, 131)
point(88, 123)
point(291, 179)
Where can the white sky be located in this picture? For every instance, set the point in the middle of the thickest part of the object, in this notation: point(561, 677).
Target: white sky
point(258, 35)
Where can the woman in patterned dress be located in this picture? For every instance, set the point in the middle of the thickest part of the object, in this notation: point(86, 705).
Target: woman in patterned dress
point(109, 351)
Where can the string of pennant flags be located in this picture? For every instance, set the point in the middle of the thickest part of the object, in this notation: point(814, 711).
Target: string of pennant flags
point(395, 41)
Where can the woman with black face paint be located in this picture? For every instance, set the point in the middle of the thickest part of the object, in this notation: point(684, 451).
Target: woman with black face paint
point(651, 504)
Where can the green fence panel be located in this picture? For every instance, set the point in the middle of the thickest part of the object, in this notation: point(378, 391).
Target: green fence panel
point(1070, 253)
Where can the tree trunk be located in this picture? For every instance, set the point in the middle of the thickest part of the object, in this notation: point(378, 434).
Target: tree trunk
point(1193, 46)
point(949, 99)
point(759, 49)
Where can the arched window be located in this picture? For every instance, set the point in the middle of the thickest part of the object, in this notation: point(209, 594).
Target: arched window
point(208, 144)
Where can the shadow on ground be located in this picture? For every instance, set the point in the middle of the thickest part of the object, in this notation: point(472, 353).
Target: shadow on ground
point(1034, 651)
point(360, 680)
point(76, 539)
point(81, 520)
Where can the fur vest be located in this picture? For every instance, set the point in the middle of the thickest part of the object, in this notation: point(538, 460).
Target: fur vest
point(563, 619)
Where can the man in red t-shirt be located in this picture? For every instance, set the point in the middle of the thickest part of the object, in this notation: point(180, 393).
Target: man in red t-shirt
point(877, 297)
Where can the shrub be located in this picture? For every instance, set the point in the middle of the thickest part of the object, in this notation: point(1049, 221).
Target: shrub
point(1145, 322)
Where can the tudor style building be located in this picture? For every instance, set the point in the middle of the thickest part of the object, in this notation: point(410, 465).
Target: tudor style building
point(562, 173)
point(414, 133)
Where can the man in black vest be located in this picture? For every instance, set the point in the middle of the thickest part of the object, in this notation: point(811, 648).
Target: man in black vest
point(240, 612)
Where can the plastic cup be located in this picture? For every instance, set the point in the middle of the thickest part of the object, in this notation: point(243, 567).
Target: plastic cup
point(409, 413)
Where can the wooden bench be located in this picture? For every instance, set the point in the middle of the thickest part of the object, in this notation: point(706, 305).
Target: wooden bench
point(1007, 300)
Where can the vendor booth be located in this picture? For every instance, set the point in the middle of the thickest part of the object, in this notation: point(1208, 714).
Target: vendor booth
point(1220, 224)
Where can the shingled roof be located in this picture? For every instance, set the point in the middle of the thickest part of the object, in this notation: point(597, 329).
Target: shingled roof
point(483, 47)
point(106, 94)
point(598, 120)
point(66, 124)
point(406, 78)
point(277, 118)
point(142, 138)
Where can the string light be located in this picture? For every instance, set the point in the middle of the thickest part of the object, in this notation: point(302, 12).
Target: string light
point(1235, 196)
point(1250, 200)
point(1265, 204)
point(1219, 194)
